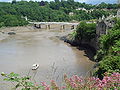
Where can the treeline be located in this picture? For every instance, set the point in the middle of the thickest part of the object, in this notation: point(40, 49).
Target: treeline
point(11, 14)
point(12, 20)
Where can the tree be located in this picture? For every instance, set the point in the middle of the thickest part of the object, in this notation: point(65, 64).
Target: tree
point(14, 2)
point(42, 3)
point(86, 31)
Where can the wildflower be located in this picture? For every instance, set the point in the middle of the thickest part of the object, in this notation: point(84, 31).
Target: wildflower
point(77, 79)
point(65, 76)
point(73, 84)
point(44, 84)
point(47, 87)
point(71, 80)
point(54, 85)
point(107, 78)
point(63, 87)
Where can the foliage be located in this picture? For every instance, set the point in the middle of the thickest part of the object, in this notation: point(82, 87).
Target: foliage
point(86, 31)
point(110, 64)
point(109, 40)
point(109, 52)
point(12, 20)
point(24, 83)
point(109, 82)
point(57, 10)
point(117, 24)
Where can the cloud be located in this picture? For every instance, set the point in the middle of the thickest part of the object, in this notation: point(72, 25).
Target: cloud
point(97, 1)
point(86, 1)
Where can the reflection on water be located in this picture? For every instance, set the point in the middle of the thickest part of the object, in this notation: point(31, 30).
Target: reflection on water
point(19, 52)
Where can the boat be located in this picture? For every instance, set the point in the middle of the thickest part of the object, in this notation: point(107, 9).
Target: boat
point(11, 33)
point(35, 66)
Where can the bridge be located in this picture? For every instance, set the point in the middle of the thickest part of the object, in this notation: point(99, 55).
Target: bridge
point(48, 24)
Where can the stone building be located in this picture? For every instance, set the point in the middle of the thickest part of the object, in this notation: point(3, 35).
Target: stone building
point(71, 14)
point(101, 28)
point(104, 24)
point(118, 13)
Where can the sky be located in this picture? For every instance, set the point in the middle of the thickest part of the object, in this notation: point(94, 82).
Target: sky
point(86, 1)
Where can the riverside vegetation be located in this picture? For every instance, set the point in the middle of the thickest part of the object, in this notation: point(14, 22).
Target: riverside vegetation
point(109, 82)
point(108, 55)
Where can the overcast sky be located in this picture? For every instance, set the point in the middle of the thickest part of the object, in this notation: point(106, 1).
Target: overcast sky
point(86, 1)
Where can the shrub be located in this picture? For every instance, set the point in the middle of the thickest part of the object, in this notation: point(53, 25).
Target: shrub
point(109, 82)
point(86, 31)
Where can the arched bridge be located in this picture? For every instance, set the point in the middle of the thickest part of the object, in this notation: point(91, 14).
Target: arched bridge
point(48, 24)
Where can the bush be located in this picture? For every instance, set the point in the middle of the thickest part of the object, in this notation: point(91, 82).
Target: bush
point(108, 64)
point(109, 82)
point(86, 31)
point(12, 20)
point(109, 52)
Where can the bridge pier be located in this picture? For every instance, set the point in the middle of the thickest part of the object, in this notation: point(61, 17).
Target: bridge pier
point(47, 26)
point(35, 25)
point(72, 27)
point(39, 26)
point(62, 27)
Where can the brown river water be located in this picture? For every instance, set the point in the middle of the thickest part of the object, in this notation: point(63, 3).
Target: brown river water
point(19, 52)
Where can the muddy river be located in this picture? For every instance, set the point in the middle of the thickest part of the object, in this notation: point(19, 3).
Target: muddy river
point(19, 52)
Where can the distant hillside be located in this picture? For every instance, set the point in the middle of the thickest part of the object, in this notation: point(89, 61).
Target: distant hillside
point(52, 11)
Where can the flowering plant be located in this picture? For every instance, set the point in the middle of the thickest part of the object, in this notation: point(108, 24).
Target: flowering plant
point(109, 82)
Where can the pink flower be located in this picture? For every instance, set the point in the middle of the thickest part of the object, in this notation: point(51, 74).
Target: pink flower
point(63, 87)
point(74, 85)
point(104, 82)
point(107, 78)
point(100, 85)
point(52, 81)
point(93, 78)
point(77, 79)
point(47, 87)
point(71, 80)
point(44, 84)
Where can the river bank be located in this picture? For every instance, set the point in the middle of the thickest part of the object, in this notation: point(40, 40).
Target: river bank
point(4, 31)
point(79, 45)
